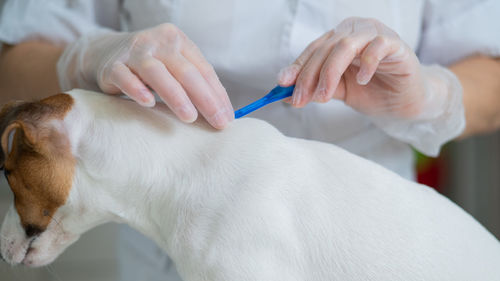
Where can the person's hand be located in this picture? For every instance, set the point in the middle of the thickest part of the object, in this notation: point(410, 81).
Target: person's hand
point(161, 58)
point(365, 64)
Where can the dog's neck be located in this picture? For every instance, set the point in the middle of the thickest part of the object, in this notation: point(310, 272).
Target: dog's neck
point(152, 172)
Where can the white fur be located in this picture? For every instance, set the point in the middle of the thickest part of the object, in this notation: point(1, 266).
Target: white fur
point(248, 203)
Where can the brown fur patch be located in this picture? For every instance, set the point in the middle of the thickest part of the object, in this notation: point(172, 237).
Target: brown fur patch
point(40, 166)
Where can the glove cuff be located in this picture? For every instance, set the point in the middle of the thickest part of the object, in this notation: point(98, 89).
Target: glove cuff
point(72, 72)
point(441, 119)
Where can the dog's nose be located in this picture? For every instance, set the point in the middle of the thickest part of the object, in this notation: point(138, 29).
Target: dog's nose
point(32, 230)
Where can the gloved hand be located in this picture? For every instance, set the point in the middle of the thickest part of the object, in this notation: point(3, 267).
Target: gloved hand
point(365, 64)
point(162, 58)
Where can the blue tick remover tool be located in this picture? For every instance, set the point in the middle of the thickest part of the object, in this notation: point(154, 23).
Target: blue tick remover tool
point(276, 94)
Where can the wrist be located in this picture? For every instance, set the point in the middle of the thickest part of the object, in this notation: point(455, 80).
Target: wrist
point(441, 91)
point(441, 117)
point(77, 66)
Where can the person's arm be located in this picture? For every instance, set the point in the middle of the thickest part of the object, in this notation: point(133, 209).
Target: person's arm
point(365, 64)
point(161, 58)
point(28, 71)
point(480, 79)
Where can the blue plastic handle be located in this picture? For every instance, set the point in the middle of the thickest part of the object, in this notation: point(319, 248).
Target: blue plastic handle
point(278, 93)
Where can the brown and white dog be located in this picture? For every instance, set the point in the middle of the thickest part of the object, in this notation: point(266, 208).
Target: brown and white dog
point(246, 203)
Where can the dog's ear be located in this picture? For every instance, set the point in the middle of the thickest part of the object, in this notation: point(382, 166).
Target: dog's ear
point(10, 125)
point(24, 124)
point(16, 127)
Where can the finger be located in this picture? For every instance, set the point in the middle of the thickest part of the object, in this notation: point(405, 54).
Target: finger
point(336, 64)
point(288, 75)
point(128, 83)
point(210, 105)
point(194, 55)
point(156, 75)
point(308, 78)
point(380, 48)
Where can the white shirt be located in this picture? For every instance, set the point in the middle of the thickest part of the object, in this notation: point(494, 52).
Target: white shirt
point(247, 42)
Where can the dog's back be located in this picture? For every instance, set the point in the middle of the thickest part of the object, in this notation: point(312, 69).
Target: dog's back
point(312, 211)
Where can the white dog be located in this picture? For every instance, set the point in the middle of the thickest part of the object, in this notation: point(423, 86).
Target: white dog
point(246, 203)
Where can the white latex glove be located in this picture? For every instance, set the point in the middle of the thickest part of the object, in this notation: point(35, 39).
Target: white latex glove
point(162, 58)
point(365, 64)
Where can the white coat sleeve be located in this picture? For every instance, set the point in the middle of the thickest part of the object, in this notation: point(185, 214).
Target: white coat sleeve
point(455, 29)
point(58, 21)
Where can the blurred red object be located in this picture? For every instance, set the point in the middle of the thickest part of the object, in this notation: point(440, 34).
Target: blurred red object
point(431, 171)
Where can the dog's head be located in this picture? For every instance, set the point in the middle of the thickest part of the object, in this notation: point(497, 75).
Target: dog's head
point(39, 167)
